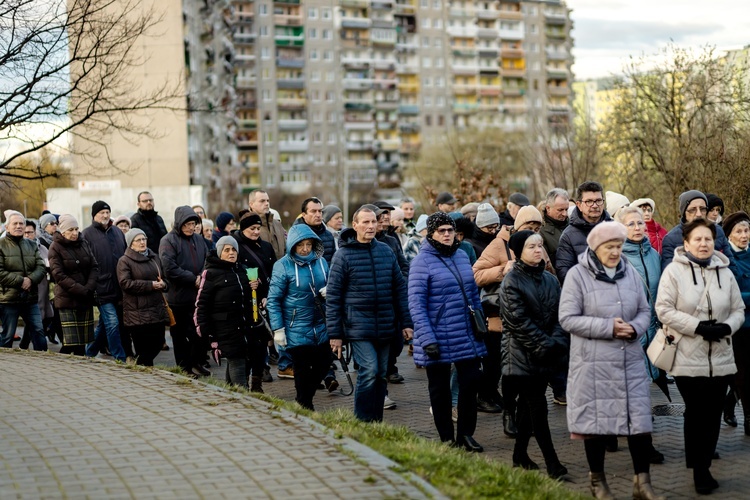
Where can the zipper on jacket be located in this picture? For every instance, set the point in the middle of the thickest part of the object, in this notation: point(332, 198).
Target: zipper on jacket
point(294, 313)
point(710, 316)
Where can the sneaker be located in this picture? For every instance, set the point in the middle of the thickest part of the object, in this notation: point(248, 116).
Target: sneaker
point(388, 403)
point(395, 378)
point(560, 400)
point(267, 377)
point(454, 414)
point(331, 384)
point(488, 406)
point(288, 373)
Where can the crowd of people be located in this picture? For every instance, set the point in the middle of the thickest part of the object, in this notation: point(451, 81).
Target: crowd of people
point(496, 307)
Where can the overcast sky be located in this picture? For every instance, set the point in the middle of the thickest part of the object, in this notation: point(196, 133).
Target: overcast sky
point(606, 32)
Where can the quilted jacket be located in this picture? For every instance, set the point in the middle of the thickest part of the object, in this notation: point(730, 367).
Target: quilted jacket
point(182, 259)
point(141, 304)
point(19, 258)
point(75, 272)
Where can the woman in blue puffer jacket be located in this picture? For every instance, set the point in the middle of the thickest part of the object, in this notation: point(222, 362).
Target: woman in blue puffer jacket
point(441, 290)
point(296, 310)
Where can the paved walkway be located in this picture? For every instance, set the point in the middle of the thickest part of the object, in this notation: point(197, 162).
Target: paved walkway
point(77, 428)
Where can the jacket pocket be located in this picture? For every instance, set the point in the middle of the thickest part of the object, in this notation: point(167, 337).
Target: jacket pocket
point(439, 315)
point(348, 315)
point(294, 314)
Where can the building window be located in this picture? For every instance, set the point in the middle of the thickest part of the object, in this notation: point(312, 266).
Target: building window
point(426, 62)
point(327, 34)
point(268, 138)
point(327, 55)
point(426, 81)
point(533, 29)
point(315, 75)
point(332, 138)
point(437, 23)
point(266, 95)
point(436, 4)
point(326, 11)
point(330, 76)
point(317, 137)
point(312, 33)
point(441, 120)
point(438, 62)
point(266, 75)
point(427, 100)
point(428, 120)
point(316, 95)
point(438, 43)
point(440, 101)
point(312, 13)
point(265, 53)
point(314, 55)
point(329, 96)
point(264, 31)
point(263, 9)
point(440, 82)
point(332, 117)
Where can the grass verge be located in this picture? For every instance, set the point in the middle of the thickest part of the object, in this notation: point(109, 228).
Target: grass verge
point(455, 473)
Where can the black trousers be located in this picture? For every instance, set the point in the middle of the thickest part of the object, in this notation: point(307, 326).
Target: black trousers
point(741, 346)
point(256, 355)
point(531, 416)
point(491, 369)
point(704, 402)
point(188, 347)
point(396, 348)
point(639, 445)
point(311, 364)
point(148, 340)
point(439, 386)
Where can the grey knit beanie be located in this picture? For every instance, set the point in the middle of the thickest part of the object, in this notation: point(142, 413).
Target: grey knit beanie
point(130, 235)
point(486, 215)
point(224, 241)
point(687, 197)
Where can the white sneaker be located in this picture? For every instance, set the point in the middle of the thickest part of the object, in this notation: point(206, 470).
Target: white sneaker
point(388, 403)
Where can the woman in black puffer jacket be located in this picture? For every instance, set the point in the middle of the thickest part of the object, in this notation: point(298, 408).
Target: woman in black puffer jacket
point(224, 309)
point(144, 310)
point(533, 343)
point(75, 272)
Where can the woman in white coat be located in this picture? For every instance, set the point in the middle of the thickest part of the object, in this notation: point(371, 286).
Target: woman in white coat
point(700, 304)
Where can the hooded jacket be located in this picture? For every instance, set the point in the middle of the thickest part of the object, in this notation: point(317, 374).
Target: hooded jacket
point(742, 259)
point(533, 342)
point(682, 304)
point(366, 293)
point(656, 234)
point(257, 254)
point(19, 259)
point(438, 306)
point(151, 223)
point(551, 231)
point(325, 236)
point(182, 259)
point(108, 245)
point(223, 308)
point(141, 304)
point(573, 242)
point(608, 388)
point(673, 239)
point(294, 301)
point(75, 271)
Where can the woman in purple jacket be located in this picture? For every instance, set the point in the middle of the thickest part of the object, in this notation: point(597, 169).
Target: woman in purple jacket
point(441, 291)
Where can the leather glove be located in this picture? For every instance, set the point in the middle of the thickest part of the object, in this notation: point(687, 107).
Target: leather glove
point(322, 292)
point(714, 332)
point(432, 351)
point(279, 336)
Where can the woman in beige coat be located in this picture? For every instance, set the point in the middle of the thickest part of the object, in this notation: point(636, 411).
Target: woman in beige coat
point(700, 304)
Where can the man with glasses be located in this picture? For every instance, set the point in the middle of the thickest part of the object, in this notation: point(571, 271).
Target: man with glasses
point(312, 215)
point(149, 221)
point(589, 212)
point(47, 229)
point(693, 205)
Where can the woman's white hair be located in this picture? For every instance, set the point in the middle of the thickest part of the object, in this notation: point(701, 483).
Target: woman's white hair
point(625, 211)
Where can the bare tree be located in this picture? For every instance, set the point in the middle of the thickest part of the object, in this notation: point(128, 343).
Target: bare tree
point(66, 68)
point(681, 123)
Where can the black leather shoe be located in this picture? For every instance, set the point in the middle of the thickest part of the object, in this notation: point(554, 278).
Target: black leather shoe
point(488, 406)
point(730, 419)
point(654, 457)
point(704, 482)
point(509, 425)
point(556, 470)
point(525, 463)
point(469, 444)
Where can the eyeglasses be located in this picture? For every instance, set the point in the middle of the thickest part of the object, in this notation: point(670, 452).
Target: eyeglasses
point(52, 224)
point(491, 227)
point(447, 230)
point(635, 223)
point(694, 210)
point(139, 240)
point(147, 200)
point(591, 203)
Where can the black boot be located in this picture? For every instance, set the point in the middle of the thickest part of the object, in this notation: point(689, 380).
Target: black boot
point(704, 481)
point(509, 424)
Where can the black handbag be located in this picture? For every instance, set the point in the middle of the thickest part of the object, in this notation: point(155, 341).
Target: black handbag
point(478, 319)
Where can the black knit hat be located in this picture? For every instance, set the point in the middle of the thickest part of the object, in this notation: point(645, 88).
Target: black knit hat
point(518, 240)
point(249, 219)
point(715, 201)
point(98, 206)
point(438, 219)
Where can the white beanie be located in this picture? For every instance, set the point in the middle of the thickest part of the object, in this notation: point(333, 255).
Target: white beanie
point(615, 201)
point(486, 215)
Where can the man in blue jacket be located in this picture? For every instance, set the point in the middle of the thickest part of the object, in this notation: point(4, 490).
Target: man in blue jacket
point(366, 297)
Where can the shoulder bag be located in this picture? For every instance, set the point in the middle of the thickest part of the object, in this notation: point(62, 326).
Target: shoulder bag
point(478, 319)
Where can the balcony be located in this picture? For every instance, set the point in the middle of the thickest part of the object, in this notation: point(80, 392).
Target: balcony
point(357, 4)
point(489, 69)
point(357, 83)
point(411, 68)
point(356, 125)
point(557, 55)
point(363, 176)
point(246, 103)
point(462, 32)
point(511, 53)
point(361, 164)
point(555, 33)
point(462, 108)
point(408, 109)
point(387, 144)
point(287, 2)
point(409, 128)
point(356, 23)
point(355, 63)
point(283, 62)
point(287, 19)
point(557, 73)
point(359, 145)
point(403, 9)
point(488, 14)
point(385, 83)
point(514, 109)
point(488, 33)
point(512, 34)
point(489, 90)
point(290, 40)
point(384, 42)
point(381, 4)
point(290, 83)
point(408, 87)
point(513, 91)
point(465, 89)
point(387, 166)
point(292, 124)
point(410, 147)
point(464, 51)
point(558, 109)
point(291, 103)
point(240, 37)
point(386, 105)
point(245, 82)
point(244, 59)
point(488, 52)
point(463, 13)
point(247, 124)
point(384, 65)
point(357, 106)
point(407, 47)
point(555, 18)
point(489, 106)
point(558, 90)
point(461, 67)
point(514, 72)
point(386, 125)
point(510, 15)
point(355, 43)
point(293, 146)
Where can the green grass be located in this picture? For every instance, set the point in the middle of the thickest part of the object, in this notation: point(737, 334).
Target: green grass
point(455, 473)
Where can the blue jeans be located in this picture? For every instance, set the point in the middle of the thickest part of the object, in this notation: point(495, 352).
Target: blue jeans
point(32, 318)
point(285, 360)
point(369, 394)
point(107, 332)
